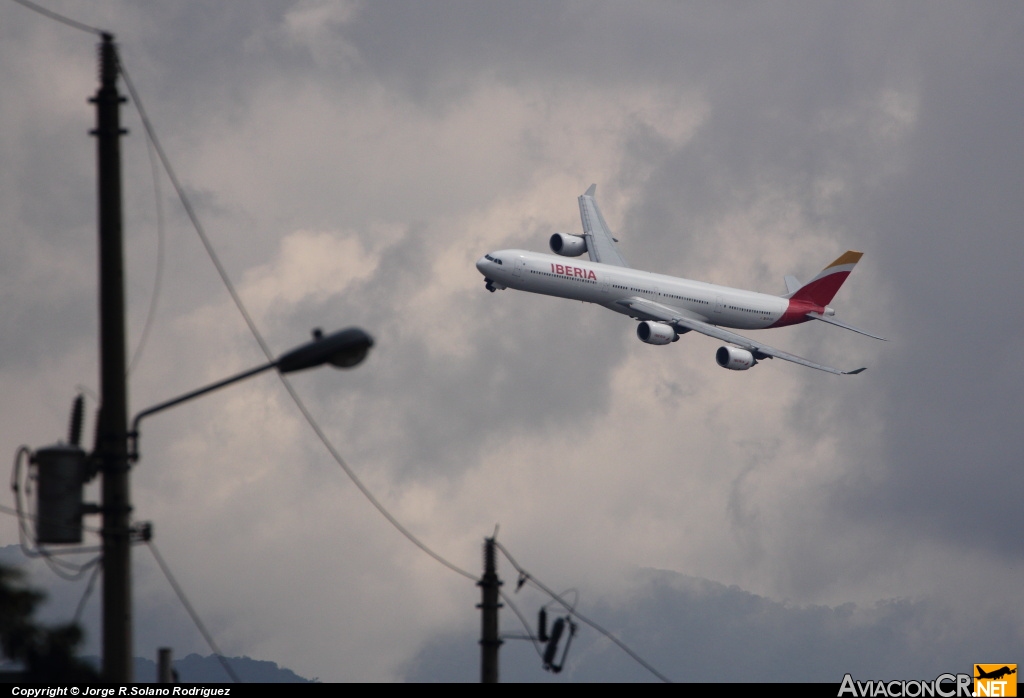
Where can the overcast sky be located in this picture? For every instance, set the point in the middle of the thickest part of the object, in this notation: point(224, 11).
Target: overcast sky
point(351, 161)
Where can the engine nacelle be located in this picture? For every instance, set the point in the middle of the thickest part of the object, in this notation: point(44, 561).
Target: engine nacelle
point(734, 358)
point(655, 332)
point(568, 245)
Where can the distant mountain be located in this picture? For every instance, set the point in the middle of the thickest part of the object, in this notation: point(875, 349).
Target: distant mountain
point(196, 669)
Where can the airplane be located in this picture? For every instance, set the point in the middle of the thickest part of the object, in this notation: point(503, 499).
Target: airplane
point(994, 674)
point(667, 306)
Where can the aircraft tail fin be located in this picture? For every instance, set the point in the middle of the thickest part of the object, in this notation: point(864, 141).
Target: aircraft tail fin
point(822, 288)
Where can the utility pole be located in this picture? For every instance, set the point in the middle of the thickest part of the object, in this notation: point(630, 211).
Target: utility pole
point(164, 667)
point(489, 641)
point(112, 432)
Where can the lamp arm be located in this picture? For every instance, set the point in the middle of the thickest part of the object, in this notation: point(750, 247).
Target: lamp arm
point(133, 435)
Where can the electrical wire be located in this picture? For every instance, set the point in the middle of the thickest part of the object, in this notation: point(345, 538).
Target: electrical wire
point(158, 277)
point(526, 625)
point(60, 18)
point(557, 597)
point(85, 595)
point(574, 591)
point(190, 212)
point(154, 142)
point(226, 280)
point(157, 281)
point(314, 425)
point(192, 611)
point(78, 571)
point(366, 492)
point(62, 568)
point(93, 564)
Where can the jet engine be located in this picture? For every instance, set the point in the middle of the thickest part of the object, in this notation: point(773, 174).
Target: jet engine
point(734, 358)
point(568, 245)
point(655, 332)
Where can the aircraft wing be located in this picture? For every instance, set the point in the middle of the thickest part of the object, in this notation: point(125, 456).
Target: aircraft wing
point(684, 322)
point(600, 243)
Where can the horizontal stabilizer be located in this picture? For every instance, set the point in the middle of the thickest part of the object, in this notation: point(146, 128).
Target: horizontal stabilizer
point(792, 285)
point(837, 323)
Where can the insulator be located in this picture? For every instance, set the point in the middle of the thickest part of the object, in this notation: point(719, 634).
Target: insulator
point(108, 61)
point(96, 427)
point(75, 429)
point(542, 625)
point(552, 648)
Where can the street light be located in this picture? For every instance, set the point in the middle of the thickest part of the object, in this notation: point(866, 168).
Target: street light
point(116, 446)
point(343, 349)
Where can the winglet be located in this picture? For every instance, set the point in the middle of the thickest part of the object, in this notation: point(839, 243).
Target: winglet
point(855, 371)
point(591, 190)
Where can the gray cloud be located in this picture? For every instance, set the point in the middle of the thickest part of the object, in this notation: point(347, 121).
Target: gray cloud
point(351, 162)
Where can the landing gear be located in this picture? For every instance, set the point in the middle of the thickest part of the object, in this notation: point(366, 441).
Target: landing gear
point(489, 285)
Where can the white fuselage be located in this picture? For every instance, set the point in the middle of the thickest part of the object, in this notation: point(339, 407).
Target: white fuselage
point(604, 284)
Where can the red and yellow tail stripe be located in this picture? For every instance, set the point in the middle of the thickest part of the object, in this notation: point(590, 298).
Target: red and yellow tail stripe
point(817, 293)
point(822, 288)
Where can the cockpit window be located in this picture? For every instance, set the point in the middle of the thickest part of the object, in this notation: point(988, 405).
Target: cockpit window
point(493, 259)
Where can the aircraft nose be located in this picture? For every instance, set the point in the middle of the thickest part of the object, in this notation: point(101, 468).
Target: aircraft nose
point(481, 265)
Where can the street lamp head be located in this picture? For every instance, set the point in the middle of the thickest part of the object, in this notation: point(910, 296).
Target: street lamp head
point(344, 349)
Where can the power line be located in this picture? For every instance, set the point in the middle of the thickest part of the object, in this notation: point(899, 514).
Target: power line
point(62, 568)
point(314, 425)
point(88, 591)
point(155, 145)
point(60, 18)
point(211, 252)
point(192, 611)
point(526, 625)
point(222, 272)
point(363, 488)
point(158, 277)
point(557, 597)
point(226, 280)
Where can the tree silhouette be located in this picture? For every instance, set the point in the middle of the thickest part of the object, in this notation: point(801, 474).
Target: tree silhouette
point(46, 654)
